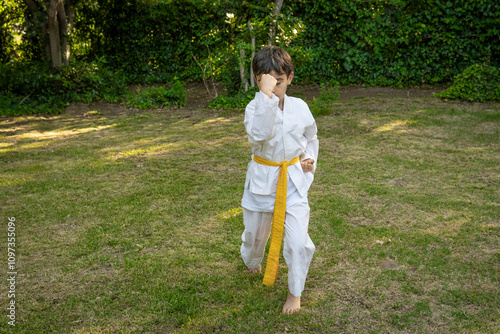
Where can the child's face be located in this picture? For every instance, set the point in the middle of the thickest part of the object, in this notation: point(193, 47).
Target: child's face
point(281, 85)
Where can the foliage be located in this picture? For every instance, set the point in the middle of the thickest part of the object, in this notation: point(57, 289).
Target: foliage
point(32, 31)
point(152, 38)
point(7, 44)
point(323, 105)
point(478, 82)
point(157, 97)
point(399, 43)
point(238, 100)
point(11, 104)
point(39, 88)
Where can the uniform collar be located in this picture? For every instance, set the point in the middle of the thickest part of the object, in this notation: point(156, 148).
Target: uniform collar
point(286, 103)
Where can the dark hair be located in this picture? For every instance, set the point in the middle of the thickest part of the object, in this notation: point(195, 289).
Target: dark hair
point(272, 58)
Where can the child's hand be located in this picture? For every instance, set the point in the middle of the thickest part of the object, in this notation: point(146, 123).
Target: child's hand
point(307, 165)
point(267, 84)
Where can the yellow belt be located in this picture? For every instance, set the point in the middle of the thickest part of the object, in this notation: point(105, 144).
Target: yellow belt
point(272, 265)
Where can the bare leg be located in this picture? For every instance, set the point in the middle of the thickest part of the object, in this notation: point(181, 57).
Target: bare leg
point(292, 304)
point(298, 250)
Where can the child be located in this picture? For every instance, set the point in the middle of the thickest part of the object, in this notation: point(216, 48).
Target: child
point(282, 135)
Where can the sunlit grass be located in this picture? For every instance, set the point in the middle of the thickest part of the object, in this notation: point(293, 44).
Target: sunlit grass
point(132, 224)
point(394, 126)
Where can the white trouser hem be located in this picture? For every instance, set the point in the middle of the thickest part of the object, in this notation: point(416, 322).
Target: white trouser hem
point(298, 247)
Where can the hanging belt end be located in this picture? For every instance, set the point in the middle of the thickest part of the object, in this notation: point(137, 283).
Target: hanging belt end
point(268, 281)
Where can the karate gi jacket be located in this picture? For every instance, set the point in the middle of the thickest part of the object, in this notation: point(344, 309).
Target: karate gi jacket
point(279, 135)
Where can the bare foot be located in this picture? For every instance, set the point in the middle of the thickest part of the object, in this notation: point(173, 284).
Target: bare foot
point(292, 304)
point(255, 270)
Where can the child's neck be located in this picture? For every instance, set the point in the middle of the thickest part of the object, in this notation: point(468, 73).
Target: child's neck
point(281, 103)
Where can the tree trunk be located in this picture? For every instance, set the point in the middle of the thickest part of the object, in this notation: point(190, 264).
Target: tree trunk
point(70, 10)
point(252, 37)
point(63, 32)
point(54, 33)
point(46, 47)
point(56, 25)
point(244, 82)
point(274, 20)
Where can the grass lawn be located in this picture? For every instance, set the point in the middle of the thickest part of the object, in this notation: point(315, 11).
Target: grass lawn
point(131, 223)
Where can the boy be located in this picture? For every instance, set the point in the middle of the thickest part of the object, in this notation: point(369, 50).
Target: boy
point(282, 135)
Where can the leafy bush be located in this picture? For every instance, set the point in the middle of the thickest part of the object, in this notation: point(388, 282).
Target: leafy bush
point(35, 88)
point(323, 105)
point(478, 82)
point(94, 81)
point(29, 88)
point(238, 100)
point(157, 97)
point(15, 106)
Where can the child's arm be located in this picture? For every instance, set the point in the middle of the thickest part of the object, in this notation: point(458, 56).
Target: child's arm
point(267, 84)
point(261, 112)
point(310, 156)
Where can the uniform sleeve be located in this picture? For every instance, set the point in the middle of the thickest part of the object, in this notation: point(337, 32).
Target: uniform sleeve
point(260, 117)
point(312, 147)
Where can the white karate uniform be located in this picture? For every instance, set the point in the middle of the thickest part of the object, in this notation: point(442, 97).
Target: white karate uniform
point(278, 136)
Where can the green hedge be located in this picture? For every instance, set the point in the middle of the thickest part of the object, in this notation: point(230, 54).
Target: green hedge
point(398, 43)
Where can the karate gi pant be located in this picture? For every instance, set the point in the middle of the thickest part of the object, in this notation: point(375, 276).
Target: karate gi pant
point(298, 247)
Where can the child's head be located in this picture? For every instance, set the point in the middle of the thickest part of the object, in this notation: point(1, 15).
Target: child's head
point(276, 62)
point(272, 58)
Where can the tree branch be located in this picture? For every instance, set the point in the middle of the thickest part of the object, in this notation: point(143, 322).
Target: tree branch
point(32, 5)
point(252, 38)
point(274, 16)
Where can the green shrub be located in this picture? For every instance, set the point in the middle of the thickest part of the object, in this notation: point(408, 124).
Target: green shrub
point(93, 81)
point(479, 82)
point(35, 88)
point(157, 97)
point(238, 100)
point(323, 105)
point(12, 105)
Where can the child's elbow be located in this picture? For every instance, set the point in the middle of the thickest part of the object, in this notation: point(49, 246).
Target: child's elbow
point(261, 135)
point(259, 138)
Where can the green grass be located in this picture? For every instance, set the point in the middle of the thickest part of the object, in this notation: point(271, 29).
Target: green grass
point(132, 223)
